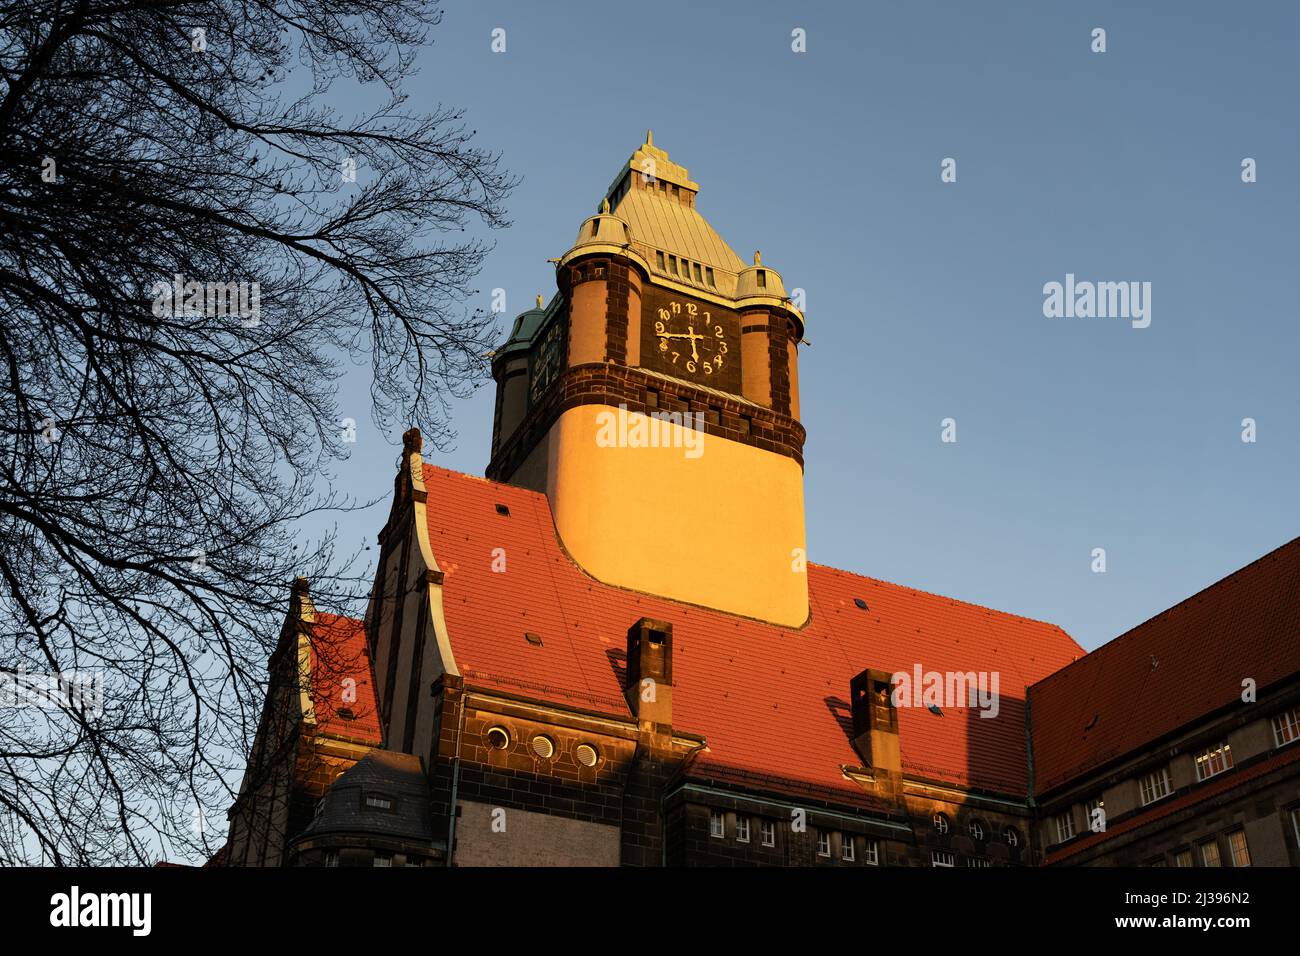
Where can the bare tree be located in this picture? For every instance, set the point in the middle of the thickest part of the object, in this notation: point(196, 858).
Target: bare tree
point(185, 259)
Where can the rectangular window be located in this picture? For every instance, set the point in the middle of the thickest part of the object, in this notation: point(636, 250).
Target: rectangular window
point(716, 826)
point(708, 276)
point(1210, 853)
point(942, 858)
point(1183, 858)
point(1238, 849)
point(1155, 785)
point(823, 844)
point(762, 278)
point(698, 277)
point(672, 264)
point(871, 853)
point(1064, 826)
point(846, 847)
point(1094, 813)
point(1212, 761)
point(767, 830)
point(978, 861)
point(331, 859)
point(742, 829)
point(383, 859)
point(1286, 727)
point(659, 260)
point(379, 803)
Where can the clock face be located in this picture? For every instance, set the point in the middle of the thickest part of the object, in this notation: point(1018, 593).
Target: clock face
point(546, 360)
point(691, 340)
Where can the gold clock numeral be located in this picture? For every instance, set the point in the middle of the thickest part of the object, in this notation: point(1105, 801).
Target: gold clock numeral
point(663, 345)
point(708, 369)
point(717, 331)
point(690, 366)
point(676, 356)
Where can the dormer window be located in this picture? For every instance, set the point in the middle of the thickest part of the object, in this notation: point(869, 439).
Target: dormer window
point(762, 278)
point(659, 261)
point(376, 802)
point(595, 227)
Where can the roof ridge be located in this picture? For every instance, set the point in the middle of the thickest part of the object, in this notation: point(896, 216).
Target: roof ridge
point(945, 597)
point(1115, 642)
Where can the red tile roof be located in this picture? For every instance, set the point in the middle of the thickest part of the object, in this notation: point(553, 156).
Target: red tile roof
point(771, 701)
point(1164, 808)
point(1178, 667)
point(339, 653)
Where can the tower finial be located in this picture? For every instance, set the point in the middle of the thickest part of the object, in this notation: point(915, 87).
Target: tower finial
point(649, 138)
point(604, 204)
point(758, 258)
point(539, 300)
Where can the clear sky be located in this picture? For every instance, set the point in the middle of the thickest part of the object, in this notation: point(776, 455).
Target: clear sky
point(924, 298)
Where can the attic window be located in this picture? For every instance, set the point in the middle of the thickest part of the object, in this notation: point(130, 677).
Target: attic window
point(672, 264)
point(762, 278)
point(659, 259)
point(861, 604)
point(374, 802)
point(503, 510)
point(698, 276)
point(708, 276)
point(346, 713)
point(534, 639)
point(595, 227)
point(934, 709)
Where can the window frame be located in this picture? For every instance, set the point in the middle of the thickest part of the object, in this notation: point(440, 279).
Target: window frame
point(1064, 824)
point(824, 843)
point(1162, 776)
point(1288, 721)
point(718, 832)
point(871, 852)
point(742, 827)
point(936, 855)
point(1207, 844)
point(1205, 759)
point(1232, 835)
point(767, 833)
point(848, 852)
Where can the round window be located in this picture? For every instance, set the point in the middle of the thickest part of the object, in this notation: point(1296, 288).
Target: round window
point(498, 738)
point(543, 746)
point(586, 755)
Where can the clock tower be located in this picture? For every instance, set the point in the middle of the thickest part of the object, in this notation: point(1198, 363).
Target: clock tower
point(655, 401)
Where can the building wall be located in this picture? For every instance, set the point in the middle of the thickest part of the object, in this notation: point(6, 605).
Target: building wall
point(487, 835)
point(651, 518)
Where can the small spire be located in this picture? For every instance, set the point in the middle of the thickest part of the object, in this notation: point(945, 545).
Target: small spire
point(539, 300)
point(649, 138)
point(604, 205)
point(758, 258)
point(412, 442)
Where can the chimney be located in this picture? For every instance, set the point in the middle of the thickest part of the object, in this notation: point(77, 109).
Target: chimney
point(649, 686)
point(875, 728)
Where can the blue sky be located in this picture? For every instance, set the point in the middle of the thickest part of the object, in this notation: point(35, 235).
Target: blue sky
point(924, 299)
